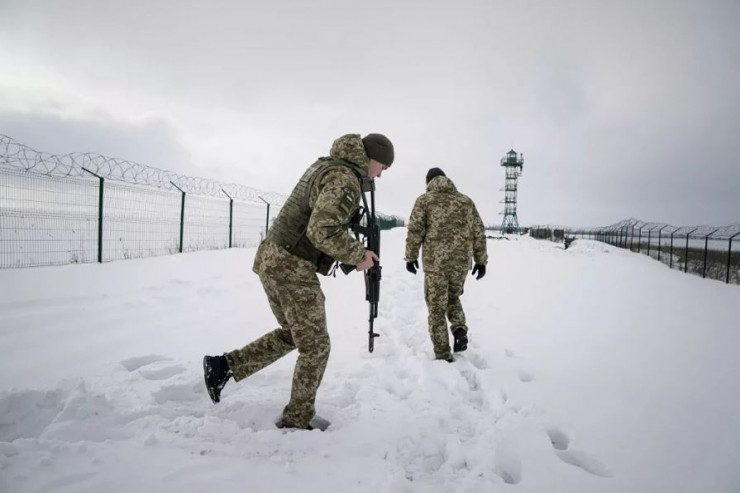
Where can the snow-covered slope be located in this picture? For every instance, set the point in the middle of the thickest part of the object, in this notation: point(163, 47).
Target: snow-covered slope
point(590, 369)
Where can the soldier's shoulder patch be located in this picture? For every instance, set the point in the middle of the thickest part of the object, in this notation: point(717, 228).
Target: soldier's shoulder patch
point(347, 202)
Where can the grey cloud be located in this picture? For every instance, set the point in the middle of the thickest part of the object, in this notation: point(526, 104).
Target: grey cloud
point(621, 109)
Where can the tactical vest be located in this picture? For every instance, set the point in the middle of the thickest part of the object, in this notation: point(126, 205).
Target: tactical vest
point(289, 228)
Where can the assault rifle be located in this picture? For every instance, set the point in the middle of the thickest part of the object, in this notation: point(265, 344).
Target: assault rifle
point(371, 235)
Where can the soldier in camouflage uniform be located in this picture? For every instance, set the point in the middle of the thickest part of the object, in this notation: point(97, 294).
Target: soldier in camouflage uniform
point(450, 229)
point(309, 234)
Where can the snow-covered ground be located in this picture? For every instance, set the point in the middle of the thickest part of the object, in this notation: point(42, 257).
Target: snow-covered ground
point(591, 369)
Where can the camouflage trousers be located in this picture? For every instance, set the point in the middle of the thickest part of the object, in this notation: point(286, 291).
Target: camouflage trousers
point(296, 300)
point(442, 291)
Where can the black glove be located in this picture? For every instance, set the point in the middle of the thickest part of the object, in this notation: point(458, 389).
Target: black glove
point(480, 269)
point(412, 266)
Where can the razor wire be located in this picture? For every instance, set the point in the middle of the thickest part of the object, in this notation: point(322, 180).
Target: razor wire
point(698, 231)
point(19, 156)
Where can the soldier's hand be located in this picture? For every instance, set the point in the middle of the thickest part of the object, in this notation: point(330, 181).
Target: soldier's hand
point(412, 266)
point(370, 258)
point(480, 269)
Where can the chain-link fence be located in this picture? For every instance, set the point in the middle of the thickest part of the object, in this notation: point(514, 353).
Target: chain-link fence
point(79, 208)
point(707, 251)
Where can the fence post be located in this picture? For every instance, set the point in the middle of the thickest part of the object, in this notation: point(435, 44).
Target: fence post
point(626, 236)
point(267, 217)
point(671, 253)
point(231, 216)
point(182, 215)
point(650, 234)
point(639, 241)
point(686, 253)
point(660, 236)
point(706, 246)
point(100, 214)
point(729, 257)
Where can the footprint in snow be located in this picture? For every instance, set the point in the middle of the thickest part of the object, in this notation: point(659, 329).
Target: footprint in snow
point(508, 466)
point(478, 361)
point(472, 380)
point(133, 364)
point(525, 376)
point(561, 444)
point(558, 439)
point(584, 461)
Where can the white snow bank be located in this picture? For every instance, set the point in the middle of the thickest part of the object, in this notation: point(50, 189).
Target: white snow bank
point(590, 369)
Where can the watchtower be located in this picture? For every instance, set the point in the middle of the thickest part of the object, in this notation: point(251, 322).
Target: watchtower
point(514, 165)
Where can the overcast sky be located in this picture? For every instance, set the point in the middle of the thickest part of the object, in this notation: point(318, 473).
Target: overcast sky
point(621, 108)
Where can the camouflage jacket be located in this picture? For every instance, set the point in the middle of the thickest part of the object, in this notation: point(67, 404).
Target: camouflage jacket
point(333, 200)
point(448, 226)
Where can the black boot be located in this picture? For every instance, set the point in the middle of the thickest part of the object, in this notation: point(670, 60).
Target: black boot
point(216, 372)
point(461, 340)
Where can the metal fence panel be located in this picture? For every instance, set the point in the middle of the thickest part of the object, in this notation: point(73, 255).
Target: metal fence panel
point(705, 251)
point(47, 220)
point(139, 222)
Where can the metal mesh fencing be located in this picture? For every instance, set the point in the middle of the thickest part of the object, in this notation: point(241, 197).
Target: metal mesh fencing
point(46, 220)
point(79, 208)
point(708, 251)
point(206, 224)
point(139, 222)
point(250, 223)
